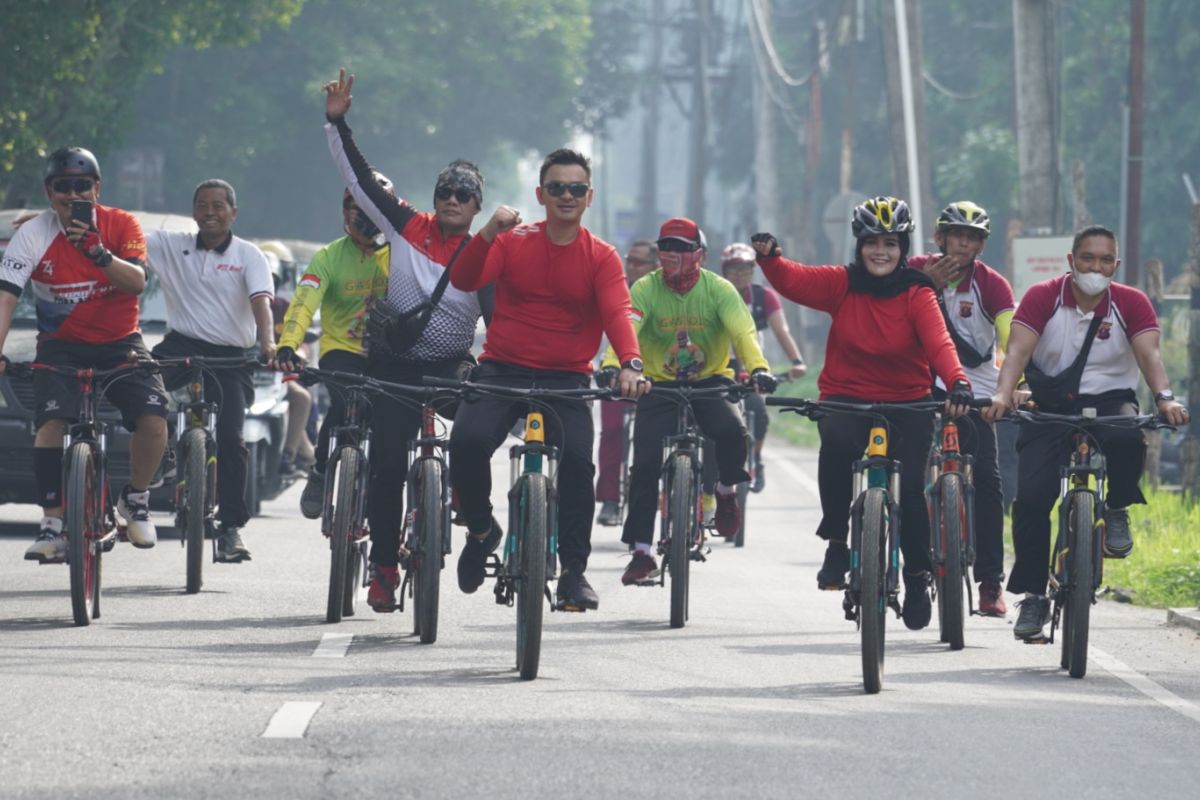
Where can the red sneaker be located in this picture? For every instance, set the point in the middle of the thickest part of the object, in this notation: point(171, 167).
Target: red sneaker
point(381, 594)
point(729, 515)
point(991, 600)
point(640, 568)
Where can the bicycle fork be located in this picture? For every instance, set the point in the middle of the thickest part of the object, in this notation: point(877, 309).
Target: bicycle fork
point(883, 473)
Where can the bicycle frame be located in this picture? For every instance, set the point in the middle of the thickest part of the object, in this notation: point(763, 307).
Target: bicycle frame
point(877, 470)
point(688, 441)
point(1085, 472)
point(947, 459)
point(353, 431)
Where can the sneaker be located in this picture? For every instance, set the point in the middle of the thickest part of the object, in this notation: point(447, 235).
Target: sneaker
point(574, 593)
point(760, 477)
point(1118, 540)
point(312, 499)
point(230, 547)
point(1033, 616)
point(641, 567)
point(832, 575)
point(708, 507)
point(167, 469)
point(991, 599)
point(918, 609)
point(134, 508)
point(381, 594)
point(728, 517)
point(49, 545)
point(472, 561)
point(610, 513)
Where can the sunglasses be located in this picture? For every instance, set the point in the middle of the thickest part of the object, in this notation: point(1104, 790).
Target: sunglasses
point(444, 193)
point(68, 185)
point(556, 188)
point(677, 246)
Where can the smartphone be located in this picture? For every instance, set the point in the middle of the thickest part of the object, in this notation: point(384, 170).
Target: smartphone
point(82, 210)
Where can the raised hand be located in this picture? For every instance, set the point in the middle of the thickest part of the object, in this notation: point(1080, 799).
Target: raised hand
point(504, 219)
point(337, 96)
point(944, 269)
point(766, 245)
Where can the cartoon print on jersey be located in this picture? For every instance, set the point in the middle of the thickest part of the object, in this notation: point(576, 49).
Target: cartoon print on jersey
point(684, 358)
point(1104, 331)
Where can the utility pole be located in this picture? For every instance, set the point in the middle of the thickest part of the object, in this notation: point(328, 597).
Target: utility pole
point(1037, 131)
point(766, 142)
point(651, 93)
point(906, 110)
point(1189, 450)
point(698, 166)
point(1133, 210)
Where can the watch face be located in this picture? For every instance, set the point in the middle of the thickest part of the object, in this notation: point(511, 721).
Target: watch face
point(636, 363)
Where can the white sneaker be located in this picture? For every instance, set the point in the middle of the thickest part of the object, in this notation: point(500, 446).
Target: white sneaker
point(134, 507)
point(48, 546)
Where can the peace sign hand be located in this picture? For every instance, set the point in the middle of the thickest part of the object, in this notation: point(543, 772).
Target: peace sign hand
point(337, 96)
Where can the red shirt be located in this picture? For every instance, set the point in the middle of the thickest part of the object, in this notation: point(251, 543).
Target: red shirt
point(553, 302)
point(879, 348)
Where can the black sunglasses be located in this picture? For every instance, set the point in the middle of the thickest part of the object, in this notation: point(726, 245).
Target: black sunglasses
point(674, 245)
point(68, 185)
point(444, 193)
point(556, 188)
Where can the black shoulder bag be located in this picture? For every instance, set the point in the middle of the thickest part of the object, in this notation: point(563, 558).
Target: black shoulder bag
point(1060, 393)
point(399, 332)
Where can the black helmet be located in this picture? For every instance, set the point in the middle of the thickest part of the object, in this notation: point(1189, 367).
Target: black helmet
point(72, 162)
point(965, 214)
point(879, 215)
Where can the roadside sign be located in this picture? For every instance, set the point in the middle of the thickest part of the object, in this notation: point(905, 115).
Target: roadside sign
point(1038, 258)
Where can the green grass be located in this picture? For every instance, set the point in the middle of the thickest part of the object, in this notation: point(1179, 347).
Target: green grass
point(1164, 568)
point(796, 429)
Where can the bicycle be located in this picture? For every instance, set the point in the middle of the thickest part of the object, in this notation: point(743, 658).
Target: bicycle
point(530, 549)
point(196, 456)
point(1076, 559)
point(89, 521)
point(745, 489)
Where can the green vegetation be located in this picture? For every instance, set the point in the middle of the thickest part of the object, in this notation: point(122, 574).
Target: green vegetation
point(1164, 568)
point(792, 427)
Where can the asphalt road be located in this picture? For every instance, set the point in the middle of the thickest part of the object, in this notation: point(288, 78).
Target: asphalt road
point(169, 695)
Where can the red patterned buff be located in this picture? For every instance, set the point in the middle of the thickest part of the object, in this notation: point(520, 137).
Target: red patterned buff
point(681, 271)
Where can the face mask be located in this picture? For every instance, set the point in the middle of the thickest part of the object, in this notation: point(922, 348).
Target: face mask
point(681, 271)
point(367, 228)
point(1090, 283)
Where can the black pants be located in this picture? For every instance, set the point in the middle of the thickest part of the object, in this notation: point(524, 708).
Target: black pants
point(480, 428)
point(1041, 451)
point(393, 425)
point(233, 389)
point(335, 361)
point(843, 441)
point(657, 417)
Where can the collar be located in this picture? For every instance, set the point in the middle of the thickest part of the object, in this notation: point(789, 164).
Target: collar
point(964, 283)
point(1067, 298)
point(221, 248)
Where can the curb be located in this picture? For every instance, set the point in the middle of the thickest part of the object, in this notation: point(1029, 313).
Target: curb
point(1186, 617)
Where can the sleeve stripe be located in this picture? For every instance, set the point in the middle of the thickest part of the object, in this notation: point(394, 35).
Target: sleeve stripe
point(12, 288)
point(261, 294)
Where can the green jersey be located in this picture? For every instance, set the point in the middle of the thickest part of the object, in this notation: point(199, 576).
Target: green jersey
point(338, 281)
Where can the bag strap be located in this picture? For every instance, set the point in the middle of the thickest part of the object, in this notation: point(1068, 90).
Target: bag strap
point(444, 281)
point(1081, 359)
point(966, 350)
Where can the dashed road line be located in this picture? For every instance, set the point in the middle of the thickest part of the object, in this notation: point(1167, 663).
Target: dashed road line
point(333, 645)
point(291, 720)
point(1146, 686)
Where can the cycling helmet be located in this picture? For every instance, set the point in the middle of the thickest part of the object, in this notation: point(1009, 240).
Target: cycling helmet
point(737, 253)
point(880, 215)
point(380, 178)
point(965, 214)
point(683, 229)
point(72, 162)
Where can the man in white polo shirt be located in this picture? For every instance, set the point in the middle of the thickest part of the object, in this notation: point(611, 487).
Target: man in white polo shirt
point(1050, 330)
point(218, 290)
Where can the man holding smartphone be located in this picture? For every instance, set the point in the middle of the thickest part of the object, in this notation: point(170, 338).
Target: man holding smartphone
point(85, 262)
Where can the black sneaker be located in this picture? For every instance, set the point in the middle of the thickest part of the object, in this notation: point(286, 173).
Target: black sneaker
point(1033, 616)
point(918, 609)
point(312, 499)
point(1118, 540)
point(574, 593)
point(472, 561)
point(832, 576)
point(230, 547)
point(610, 513)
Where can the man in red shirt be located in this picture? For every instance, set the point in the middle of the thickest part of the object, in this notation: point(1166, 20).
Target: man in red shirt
point(558, 288)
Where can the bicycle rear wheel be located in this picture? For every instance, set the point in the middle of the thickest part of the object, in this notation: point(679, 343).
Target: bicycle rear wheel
point(345, 499)
point(79, 524)
point(430, 518)
point(681, 527)
point(1080, 574)
point(873, 595)
point(743, 495)
point(531, 582)
point(193, 482)
point(951, 523)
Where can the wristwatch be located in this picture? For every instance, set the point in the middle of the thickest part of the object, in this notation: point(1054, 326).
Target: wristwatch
point(634, 364)
point(1165, 394)
point(797, 362)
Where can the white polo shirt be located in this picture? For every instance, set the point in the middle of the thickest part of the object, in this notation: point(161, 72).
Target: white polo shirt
point(208, 292)
point(1050, 311)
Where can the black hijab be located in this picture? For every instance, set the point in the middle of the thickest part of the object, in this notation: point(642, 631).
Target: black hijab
point(896, 282)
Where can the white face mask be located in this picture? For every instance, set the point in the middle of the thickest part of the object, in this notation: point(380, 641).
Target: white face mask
point(1090, 283)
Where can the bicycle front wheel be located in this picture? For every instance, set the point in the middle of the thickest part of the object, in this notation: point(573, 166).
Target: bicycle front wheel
point(681, 527)
point(430, 517)
point(79, 524)
point(743, 495)
point(1079, 585)
point(193, 486)
point(951, 524)
point(531, 583)
point(344, 519)
point(872, 612)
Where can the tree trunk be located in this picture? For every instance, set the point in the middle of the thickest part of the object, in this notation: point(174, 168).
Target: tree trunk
point(1037, 128)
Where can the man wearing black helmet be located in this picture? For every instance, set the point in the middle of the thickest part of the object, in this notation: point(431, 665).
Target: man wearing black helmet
point(85, 262)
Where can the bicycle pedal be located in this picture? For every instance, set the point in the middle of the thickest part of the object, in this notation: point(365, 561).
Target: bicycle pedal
point(1041, 639)
point(386, 609)
point(41, 560)
point(647, 582)
point(563, 605)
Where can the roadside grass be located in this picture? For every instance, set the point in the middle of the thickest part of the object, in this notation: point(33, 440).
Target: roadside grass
point(796, 429)
point(1164, 568)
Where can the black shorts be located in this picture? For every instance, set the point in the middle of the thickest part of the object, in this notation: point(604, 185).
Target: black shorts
point(135, 394)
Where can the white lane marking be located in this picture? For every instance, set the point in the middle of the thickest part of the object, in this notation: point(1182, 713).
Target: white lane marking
point(798, 475)
point(333, 645)
point(291, 720)
point(1146, 686)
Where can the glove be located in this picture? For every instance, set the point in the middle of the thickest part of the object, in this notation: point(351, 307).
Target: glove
point(961, 394)
point(287, 360)
point(607, 376)
point(766, 245)
point(764, 381)
point(94, 249)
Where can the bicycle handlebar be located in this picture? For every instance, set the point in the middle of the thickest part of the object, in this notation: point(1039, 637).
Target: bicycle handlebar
point(516, 391)
point(25, 369)
point(1148, 421)
point(214, 362)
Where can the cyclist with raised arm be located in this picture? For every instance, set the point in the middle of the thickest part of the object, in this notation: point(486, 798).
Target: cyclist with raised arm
point(338, 282)
point(558, 288)
point(218, 290)
point(977, 302)
point(421, 245)
point(1081, 340)
point(86, 275)
point(886, 331)
point(681, 302)
point(737, 265)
